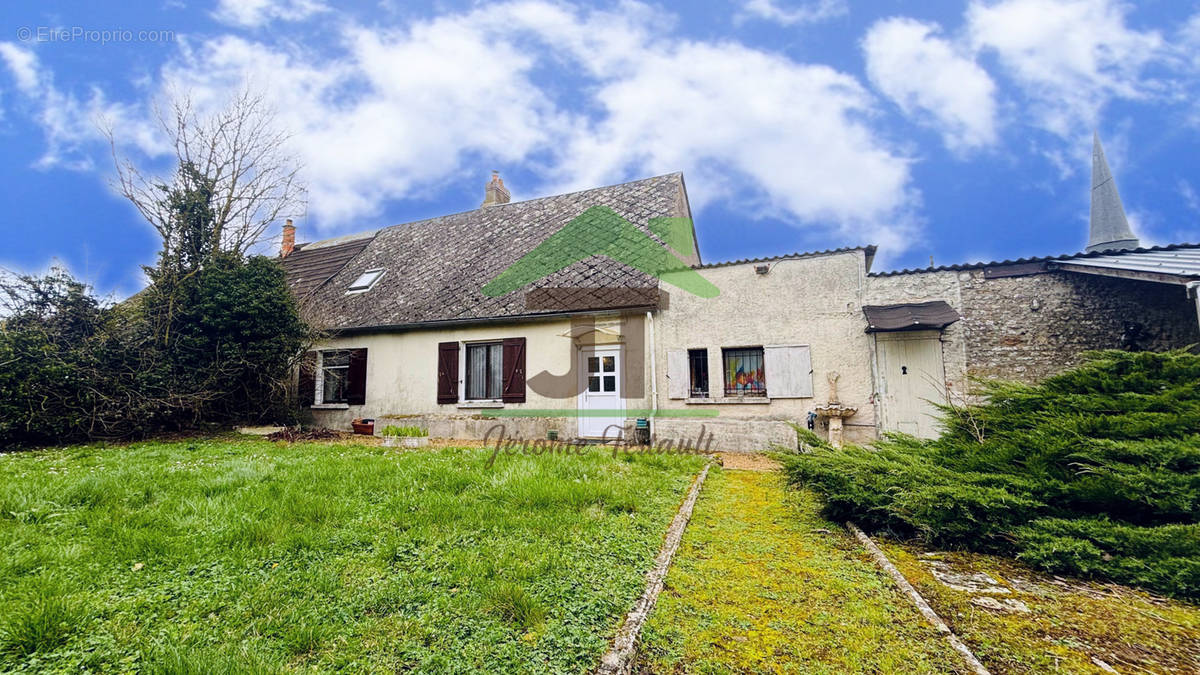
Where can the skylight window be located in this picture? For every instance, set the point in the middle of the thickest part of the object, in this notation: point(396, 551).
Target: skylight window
point(366, 280)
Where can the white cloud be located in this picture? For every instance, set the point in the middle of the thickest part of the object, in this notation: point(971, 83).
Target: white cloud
point(791, 134)
point(22, 64)
point(71, 123)
point(401, 112)
point(1069, 56)
point(812, 11)
point(929, 77)
point(255, 13)
point(1188, 193)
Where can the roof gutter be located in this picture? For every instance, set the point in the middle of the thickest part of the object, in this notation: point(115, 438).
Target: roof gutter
point(515, 318)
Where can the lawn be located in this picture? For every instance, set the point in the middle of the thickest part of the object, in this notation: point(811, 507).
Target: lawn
point(229, 554)
point(762, 583)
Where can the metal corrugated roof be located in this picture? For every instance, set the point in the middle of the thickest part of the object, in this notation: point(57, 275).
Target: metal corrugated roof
point(1177, 262)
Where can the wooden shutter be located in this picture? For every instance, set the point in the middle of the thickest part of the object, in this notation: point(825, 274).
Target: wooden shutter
point(677, 373)
point(789, 371)
point(306, 390)
point(447, 375)
point(356, 378)
point(514, 370)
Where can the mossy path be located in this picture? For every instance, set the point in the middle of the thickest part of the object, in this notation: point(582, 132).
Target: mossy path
point(762, 583)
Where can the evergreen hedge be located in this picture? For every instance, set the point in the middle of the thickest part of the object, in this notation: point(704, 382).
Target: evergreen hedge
point(1094, 472)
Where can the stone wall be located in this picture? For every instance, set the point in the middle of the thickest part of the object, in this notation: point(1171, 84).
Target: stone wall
point(1029, 327)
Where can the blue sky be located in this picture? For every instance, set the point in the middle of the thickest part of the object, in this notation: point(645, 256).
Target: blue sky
point(960, 131)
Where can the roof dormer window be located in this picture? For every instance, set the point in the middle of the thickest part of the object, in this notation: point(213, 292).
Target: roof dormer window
point(366, 281)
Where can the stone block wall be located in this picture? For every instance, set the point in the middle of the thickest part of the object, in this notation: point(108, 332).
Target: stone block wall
point(1029, 327)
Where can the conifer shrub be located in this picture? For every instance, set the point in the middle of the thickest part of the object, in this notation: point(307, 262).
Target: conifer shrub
point(1094, 472)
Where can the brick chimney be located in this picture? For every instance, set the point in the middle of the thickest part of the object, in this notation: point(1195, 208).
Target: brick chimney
point(495, 193)
point(289, 239)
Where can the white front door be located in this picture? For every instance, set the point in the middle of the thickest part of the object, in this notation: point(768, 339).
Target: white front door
point(912, 379)
point(601, 408)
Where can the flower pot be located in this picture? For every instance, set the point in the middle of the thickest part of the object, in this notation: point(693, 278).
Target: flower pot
point(416, 441)
point(365, 427)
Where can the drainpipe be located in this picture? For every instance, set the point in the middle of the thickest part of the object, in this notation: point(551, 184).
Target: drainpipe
point(1193, 289)
point(653, 375)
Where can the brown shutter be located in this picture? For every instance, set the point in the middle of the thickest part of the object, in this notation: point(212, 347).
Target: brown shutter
point(447, 382)
point(356, 378)
point(307, 388)
point(514, 370)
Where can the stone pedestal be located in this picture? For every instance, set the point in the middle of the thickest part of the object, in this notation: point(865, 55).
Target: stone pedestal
point(834, 412)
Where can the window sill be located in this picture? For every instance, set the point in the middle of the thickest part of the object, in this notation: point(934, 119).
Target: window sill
point(331, 406)
point(472, 405)
point(729, 400)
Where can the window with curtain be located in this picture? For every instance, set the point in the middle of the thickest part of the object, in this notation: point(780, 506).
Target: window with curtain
point(485, 374)
point(698, 373)
point(744, 373)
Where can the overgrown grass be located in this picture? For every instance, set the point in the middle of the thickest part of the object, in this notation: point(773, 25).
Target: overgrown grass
point(1094, 472)
point(762, 583)
point(233, 555)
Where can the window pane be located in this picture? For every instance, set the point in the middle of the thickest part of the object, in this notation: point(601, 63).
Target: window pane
point(495, 371)
point(477, 371)
point(594, 383)
point(744, 374)
point(593, 364)
point(340, 358)
point(610, 364)
point(366, 280)
point(610, 383)
point(698, 370)
point(334, 390)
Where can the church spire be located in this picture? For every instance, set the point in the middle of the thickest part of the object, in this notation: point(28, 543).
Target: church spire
point(1109, 227)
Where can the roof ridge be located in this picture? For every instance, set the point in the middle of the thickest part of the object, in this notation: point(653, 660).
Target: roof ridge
point(785, 256)
point(501, 206)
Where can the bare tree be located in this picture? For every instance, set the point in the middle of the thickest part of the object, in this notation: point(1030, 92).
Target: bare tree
point(238, 153)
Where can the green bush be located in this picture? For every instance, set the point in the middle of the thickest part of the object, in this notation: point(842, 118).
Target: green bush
point(393, 430)
point(212, 348)
point(1094, 472)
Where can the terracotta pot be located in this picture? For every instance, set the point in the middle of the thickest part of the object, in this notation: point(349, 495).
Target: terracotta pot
point(365, 427)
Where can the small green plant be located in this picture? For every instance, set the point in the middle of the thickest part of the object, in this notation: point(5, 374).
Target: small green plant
point(515, 605)
point(44, 619)
point(405, 432)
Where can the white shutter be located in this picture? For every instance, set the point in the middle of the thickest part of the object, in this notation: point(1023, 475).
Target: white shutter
point(677, 373)
point(789, 371)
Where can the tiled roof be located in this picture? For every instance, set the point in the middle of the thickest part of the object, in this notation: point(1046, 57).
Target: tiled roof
point(311, 265)
point(436, 268)
point(1038, 259)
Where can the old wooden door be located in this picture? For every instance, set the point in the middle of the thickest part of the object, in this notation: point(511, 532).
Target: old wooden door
point(911, 379)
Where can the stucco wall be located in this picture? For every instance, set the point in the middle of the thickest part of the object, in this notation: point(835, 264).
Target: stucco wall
point(402, 376)
point(814, 301)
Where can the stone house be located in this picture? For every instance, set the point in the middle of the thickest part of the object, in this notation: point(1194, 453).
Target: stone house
point(590, 315)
